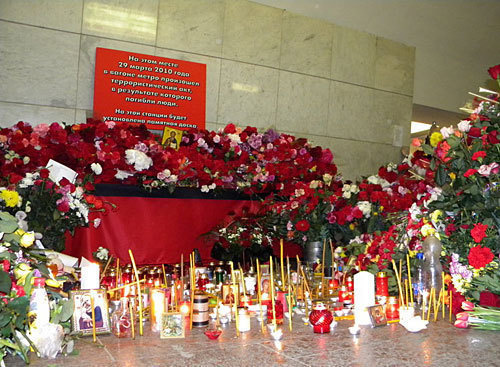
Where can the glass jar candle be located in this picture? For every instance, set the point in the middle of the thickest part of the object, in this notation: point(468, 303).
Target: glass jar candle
point(392, 308)
point(243, 320)
point(382, 284)
point(320, 318)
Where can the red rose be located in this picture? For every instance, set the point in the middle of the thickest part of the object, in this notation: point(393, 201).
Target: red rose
point(477, 155)
point(495, 71)
point(478, 232)
point(479, 257)
point(302, 225)
point(230, 129)
point(44, 173)
point(489, 299)
point(470, 172)
point(474, 132)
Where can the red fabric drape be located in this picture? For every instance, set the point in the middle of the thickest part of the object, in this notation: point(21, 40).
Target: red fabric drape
point(157, 230)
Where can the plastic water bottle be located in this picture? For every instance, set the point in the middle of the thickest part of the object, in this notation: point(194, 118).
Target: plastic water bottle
point(418, 278)
point(39, 304)
point(432, 266)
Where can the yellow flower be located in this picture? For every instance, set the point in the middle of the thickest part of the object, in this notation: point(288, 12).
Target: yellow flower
point(352, 226)
point(427, 230)
point(10, 197)
point(412, 253)
point(435, 138)
point(27, 239)
point(452, 176)
point(21, 271)
point(381, 208)
point(436, 215)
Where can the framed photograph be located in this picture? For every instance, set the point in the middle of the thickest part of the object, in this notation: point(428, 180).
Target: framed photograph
point(82, 315)
point(230, 294)
point(377, 315)
point(171, 138)
point(172, 325)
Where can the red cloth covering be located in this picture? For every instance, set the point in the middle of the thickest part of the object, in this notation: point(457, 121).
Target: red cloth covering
point(157, 230)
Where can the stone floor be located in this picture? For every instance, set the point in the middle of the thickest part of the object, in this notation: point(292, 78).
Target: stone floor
point(440, 345)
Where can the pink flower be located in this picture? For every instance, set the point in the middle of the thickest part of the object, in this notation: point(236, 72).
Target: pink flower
point(463, 316)
point(486, 170)
point(467, 306)
point(461, 324)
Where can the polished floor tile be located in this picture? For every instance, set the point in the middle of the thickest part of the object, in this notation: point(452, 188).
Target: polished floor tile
point(439, 345)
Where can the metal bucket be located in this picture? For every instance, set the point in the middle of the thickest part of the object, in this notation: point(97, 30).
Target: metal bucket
point(313, 251)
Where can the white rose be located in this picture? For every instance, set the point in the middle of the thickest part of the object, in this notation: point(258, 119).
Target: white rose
point(139, 159)
point(447, 132)
point(464, 126)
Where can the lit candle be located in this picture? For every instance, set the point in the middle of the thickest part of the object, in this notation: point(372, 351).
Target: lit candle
point(157, 308)
point(259, 294)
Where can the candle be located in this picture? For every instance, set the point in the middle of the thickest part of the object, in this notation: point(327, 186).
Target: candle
point(259, 294)
point(138, 284)
point(364, 296)
point(444, 292)
point(409, 277)
point(132, 321)
point(272, 293)
point(451, 302)
point(157, 308)
point(244, 320)
point(392, 308)
point(236, 297)
point(382, 284)
point(90, 276)
point(93, 316)
point(282, 266)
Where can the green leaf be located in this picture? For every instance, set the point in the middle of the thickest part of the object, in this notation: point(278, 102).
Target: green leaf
point(5, 318)
point(454, 141)
point(441, 176)
point(19, 305)
point(8, 223)
point(68, 307)
point(5, 282)
point(428, 149)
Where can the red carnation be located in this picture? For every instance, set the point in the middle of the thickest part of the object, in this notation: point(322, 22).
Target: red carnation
point(302, 225)
point(495, 72)
point(477, 155)
point(470, 172)
point(479, 257)
point(478, 232)
point(6, 265)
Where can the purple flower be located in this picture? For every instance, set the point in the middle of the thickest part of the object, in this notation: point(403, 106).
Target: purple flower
point(270, 136)
point(255, 141)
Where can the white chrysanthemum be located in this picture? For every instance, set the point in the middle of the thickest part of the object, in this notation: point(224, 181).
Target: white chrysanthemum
point(139, 159)
point(365, 207)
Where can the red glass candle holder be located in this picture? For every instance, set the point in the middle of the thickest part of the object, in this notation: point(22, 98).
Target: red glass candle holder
point(320, 318)
point(392, 308)
point(382, 284)
point(278, 307)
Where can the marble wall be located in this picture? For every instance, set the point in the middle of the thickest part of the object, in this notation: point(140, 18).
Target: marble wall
point(266, 67)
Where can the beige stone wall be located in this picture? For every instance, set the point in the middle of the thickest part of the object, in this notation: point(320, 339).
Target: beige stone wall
point(266, 67)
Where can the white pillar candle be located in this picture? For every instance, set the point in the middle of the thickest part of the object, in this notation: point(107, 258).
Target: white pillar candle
point(157, 308)
point(364, 296)
point(90, 276)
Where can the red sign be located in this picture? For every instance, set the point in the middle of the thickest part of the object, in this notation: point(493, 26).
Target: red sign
point(144, 89)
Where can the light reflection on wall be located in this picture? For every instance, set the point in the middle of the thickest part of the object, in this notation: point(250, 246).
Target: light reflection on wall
point(245, 87)
point(112, 19)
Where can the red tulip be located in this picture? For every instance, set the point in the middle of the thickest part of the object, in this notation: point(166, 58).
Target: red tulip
point(467, 306)
point(462, 316)
point(461, 324)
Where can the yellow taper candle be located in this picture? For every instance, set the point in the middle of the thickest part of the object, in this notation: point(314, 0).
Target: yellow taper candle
point(132, 321)
point(236, 296)
point(409, 277)
point(443, 287)
point(282, 267)
point(139, 294)
point(94, 338)
point(272, 292)
point(259, 295)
